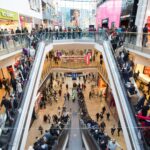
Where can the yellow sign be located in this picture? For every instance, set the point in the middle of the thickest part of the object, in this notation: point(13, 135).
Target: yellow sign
point(8, 15)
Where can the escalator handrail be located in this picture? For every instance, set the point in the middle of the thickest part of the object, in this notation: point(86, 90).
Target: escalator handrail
point(18, 131)
point(122, 95)
point(131, 110)
point(88, 139)
point(63, 138)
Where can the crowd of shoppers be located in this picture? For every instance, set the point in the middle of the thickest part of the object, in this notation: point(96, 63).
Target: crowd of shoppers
point(50, 137)
point(14, 89)
point(97, 131)
point(142, 105)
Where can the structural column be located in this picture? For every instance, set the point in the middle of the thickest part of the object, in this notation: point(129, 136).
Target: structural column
point(140, 20)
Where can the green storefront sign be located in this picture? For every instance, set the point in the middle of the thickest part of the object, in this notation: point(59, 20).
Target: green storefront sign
point(8, 15)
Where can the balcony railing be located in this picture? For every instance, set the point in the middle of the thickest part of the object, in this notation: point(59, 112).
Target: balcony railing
point(27, 41)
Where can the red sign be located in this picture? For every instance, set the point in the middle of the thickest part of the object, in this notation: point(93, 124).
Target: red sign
point(148, 23)
point(147, 70)
point(87, 59)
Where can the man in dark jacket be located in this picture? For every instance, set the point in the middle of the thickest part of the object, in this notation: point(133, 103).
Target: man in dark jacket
point(145, 36)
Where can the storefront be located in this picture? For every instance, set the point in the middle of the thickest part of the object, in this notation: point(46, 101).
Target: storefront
point(108, 14)
point(105, 23)
point(148, 23)
point(106, 93)
point(26, 22)
point(144, 73)
point(37, 23)
point(128, 13)
point(8, 19)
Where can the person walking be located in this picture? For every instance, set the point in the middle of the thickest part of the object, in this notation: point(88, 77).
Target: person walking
point(113, 130)
point(103, 109)
point(97, 116)
point(59, 92)
point(90, 95)
point(119, 128)
point(41, 129)
point(45, 118)
point(49, 118)
point(108, 116)
point(145, 36)
point(66, 86)
point(113, 145)
point(68, 96)
point(101, 115)
point(102, 125)
point(1, 84)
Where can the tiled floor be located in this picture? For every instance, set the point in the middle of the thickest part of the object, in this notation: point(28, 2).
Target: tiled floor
point(94, 105)
point(51, 110)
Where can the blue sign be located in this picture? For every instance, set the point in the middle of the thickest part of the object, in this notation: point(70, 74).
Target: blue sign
point(74, 76)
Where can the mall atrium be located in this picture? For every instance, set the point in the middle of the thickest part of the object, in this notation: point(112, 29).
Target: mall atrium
point(74, 74)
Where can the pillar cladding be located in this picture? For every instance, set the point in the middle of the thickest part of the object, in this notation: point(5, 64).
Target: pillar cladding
point(140, 19)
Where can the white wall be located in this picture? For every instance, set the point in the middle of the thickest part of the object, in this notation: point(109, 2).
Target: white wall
point(140, 60)
point(9, 61)
point(21, 7)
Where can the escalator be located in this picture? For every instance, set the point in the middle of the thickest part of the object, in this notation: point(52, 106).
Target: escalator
point(77, 137)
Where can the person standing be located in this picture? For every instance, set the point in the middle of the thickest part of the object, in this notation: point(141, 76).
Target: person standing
point(113, 145)
point(19, 88)
point(145, 36)
point(102, 125)
point(13, 83)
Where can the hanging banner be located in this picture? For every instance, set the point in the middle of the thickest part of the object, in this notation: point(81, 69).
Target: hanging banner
point(87, 59)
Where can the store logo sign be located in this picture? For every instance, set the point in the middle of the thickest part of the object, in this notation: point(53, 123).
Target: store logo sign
point(7, 14)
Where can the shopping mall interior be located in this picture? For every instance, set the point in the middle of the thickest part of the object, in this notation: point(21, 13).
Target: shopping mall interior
point(75, 75)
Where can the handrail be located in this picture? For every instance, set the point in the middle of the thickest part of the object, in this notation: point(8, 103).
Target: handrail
point(63, 138)
point(126, 115)
point(13, 42)
point(132, 122)
point(132, 132)
point(87, 138)
point(27, 102)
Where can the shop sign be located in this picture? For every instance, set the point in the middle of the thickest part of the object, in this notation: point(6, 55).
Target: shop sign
point(147, 70)
point(8, 15)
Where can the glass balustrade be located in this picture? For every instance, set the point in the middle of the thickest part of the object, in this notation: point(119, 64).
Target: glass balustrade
point(10, 43)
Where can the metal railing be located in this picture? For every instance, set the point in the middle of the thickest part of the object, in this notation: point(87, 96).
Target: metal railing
point(134, 131)
point(132, 40)
point(47, 37)
point(18, 130)
point(12, 42)
point(139, 42)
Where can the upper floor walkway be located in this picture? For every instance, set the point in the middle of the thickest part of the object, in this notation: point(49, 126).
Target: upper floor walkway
point(13, 44)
